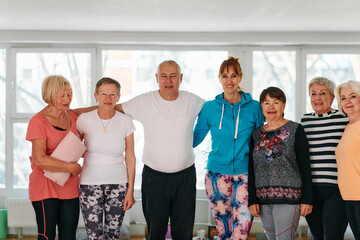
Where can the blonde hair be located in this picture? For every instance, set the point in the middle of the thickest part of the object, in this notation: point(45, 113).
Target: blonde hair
point(52, 85)
point(354, 85)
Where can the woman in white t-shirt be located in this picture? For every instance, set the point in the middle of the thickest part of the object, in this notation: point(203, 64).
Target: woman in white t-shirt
point(107, 178)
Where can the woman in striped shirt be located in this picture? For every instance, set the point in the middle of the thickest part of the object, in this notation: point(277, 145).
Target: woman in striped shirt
point(324, 129)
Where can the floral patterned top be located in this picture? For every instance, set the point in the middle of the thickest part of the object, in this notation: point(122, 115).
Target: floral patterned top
point(279, 167)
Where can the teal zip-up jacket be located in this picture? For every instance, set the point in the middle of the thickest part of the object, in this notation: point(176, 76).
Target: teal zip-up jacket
point(231, 126)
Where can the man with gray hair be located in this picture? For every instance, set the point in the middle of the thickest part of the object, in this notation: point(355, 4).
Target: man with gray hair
point(169, 177)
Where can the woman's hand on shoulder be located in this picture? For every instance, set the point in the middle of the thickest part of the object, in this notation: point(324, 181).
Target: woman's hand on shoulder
point(129, 200)
point(305, 209)
point(255, 210)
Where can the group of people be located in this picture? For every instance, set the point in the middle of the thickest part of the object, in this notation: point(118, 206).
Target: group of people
point(277, 171)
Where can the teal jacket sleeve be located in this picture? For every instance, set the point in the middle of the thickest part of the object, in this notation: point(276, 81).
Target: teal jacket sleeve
point(201, 128)
point(259, 118)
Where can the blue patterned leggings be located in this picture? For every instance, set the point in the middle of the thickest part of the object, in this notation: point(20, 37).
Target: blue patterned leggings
point(96, 200)
point(228, 196)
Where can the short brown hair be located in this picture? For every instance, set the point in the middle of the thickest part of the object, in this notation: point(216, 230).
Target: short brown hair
point(52, 85)
point(273, 92)
point(108, 80)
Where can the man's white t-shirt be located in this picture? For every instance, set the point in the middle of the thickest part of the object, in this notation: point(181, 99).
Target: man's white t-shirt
point(168, 128)
point(104, 161)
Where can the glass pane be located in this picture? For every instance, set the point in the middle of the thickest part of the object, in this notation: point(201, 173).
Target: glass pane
point(32, 68)
point(135, 70)
point(336, 67)
point(278, 69)
point(2, 117)
point(21, 153)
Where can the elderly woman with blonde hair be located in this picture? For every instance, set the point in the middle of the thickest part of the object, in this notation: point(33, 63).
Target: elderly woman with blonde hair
point(324, 128)
point(348, 153)
point(54, 205)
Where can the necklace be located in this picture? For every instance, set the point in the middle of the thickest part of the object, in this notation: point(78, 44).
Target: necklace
point(105, 126)
point(62, 119)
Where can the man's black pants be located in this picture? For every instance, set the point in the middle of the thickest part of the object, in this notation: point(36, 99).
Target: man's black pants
point(167, 195)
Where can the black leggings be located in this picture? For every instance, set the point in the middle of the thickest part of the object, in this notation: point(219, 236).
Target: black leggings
point(327, 220)
point(63, 213)
point(353, 213)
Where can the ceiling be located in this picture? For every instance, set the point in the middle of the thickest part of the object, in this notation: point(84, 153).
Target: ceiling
point(181, 15)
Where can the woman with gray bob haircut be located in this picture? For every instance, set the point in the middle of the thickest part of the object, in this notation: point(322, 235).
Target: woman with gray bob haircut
point(324, 81)
point(324, 128)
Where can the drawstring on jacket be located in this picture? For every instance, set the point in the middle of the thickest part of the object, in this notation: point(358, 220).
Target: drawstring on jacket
point(237, 120)
point(237, 123)
point(222, 114)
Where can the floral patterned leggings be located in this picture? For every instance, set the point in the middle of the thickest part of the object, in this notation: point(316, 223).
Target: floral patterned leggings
point(94, 200)
point(228, 196)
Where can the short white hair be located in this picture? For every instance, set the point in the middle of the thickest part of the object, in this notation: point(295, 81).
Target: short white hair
point(169, 62)
point(354, 85)
point(324, 81)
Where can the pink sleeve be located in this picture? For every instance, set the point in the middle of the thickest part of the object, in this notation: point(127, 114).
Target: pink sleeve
point(36, 129)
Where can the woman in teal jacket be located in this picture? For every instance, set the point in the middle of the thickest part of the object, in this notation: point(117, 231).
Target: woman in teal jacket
point(231, 118)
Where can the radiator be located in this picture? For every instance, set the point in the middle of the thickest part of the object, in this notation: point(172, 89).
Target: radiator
point(21, 214)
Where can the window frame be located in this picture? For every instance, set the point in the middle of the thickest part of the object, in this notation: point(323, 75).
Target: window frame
point(322, 50)
point(244, 52)
point(13, 117)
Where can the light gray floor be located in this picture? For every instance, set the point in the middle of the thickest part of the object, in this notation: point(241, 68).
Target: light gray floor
point(348, 234)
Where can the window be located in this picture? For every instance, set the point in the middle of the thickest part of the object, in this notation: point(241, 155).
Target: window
point(288, 69)
point(21, 153)
point(135, 70)
point(277, 69)
point(336, 67)
point(31, 67)
point(2, 117)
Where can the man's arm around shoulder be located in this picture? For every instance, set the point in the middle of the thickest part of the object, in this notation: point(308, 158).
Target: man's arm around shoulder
point(79, 111)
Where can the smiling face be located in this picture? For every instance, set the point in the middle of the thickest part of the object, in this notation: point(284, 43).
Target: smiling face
point(62, 100)
point(230, 80)
point(320, 98)
point(107, 96)
point(272, 109)
point(350, 102)
point(169, 79)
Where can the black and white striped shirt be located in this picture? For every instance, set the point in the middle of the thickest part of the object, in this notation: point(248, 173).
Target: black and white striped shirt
point(324, 132)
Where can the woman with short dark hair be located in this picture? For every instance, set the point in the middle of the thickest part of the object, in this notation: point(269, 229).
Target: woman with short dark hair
point(279, 170)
